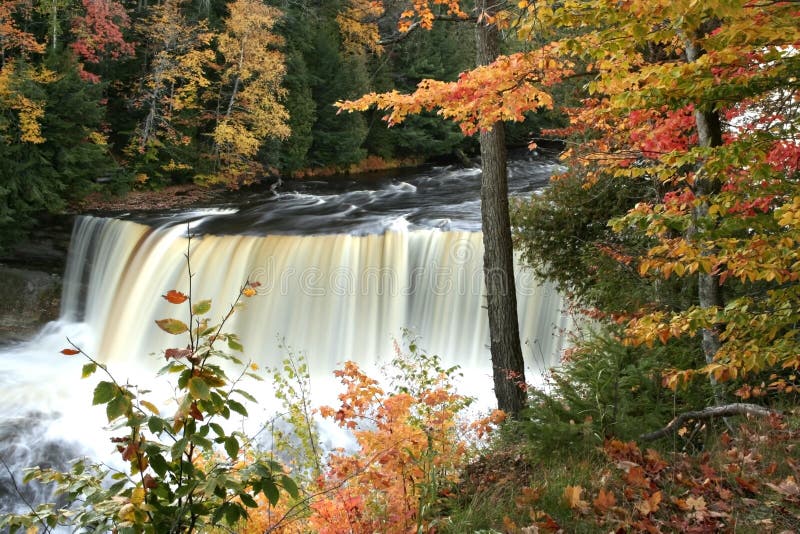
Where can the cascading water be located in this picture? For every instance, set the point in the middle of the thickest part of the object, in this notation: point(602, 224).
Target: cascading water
point(333, 297)
point(342, 270)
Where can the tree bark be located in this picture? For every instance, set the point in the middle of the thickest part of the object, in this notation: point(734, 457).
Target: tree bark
point(508, 366)
point(709, 134)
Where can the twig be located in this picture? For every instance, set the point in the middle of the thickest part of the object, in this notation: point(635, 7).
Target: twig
point(22, 497)
point(725, 410)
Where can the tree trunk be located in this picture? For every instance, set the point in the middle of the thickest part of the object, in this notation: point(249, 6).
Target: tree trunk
point(508, 366)
point(709, 134)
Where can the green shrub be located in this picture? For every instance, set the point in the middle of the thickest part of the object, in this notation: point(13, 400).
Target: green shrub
point(608, 389)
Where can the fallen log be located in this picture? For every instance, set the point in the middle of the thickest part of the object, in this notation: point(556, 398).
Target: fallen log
point(725, 410)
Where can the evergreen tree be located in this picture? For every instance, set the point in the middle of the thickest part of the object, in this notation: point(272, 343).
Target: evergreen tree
point(296, 27)
point(42, 172)
point(337, 139)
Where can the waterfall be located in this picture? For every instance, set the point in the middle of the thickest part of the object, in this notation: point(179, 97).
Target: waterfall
point(333, 297)
point(403, 258)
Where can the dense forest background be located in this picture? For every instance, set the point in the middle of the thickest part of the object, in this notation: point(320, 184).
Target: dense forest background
point(136, 94)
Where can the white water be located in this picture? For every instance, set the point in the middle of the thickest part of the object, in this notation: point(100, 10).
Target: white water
point(334, 297)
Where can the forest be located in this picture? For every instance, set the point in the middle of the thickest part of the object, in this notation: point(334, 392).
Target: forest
point(671, 228)
point(115, 95)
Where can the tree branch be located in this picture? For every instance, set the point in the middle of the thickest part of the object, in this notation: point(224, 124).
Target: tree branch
point(724, 410)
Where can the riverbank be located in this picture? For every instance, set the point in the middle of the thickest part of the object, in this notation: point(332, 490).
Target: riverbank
point(167, 198)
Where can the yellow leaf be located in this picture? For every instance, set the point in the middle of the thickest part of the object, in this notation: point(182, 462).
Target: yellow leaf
point(650, 504)
point(572, 496)
point(137, 495)
point(150, 406)
point(697, 504)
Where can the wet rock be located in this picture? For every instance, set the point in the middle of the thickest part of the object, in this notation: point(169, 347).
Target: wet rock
point(28, 300)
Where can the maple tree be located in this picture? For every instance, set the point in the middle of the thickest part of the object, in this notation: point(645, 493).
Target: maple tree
point(688, 113)
point(99, 33)
point(411, 443)
point(499, 89)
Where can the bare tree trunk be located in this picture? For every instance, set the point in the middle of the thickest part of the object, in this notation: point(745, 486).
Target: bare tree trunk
point(508, 366)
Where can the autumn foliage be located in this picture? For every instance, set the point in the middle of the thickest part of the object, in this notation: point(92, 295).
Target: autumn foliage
point(701, 100)
point(411, 444)
point(747, 480)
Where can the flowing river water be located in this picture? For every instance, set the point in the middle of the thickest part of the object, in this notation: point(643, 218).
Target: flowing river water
point(343, 267)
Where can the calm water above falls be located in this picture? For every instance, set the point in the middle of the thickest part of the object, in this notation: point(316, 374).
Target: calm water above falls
point(343, 267)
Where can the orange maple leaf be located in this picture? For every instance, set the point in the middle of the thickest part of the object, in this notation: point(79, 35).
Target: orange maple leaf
point(175, 297)
point(572, 496)
point(650, 504)
point(604, 501)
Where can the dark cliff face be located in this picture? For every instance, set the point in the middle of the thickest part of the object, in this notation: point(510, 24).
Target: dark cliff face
point(30, 278)
point(28, 300)
point(45, 247)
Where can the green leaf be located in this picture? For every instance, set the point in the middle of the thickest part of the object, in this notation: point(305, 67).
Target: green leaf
point(208, 331)
point(248, 501)
point(155, 424)
point(178, 447)
point(270, 490)
point(234, 344)
point(117, 487)
point(104, 392)
point(199, 308)
point(199, 388)
point(159, 464)
point(245, 394)
point(202, 442)
point(290, 486)
point(218, 514)
point(183, 380)
point(218, 430)
point(232, 513)
point(88, 369)
point(237, 407)
point(232, 447)
point(172, 326)
point(118, 406)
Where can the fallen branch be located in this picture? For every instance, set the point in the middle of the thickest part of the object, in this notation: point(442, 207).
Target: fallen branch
point(725, 410)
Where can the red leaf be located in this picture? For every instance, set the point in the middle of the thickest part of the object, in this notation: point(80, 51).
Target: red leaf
point(175, 297)
point(177, 353)
point(748, 485)
point(130, 452)
point(195, 412)
point(70, 352)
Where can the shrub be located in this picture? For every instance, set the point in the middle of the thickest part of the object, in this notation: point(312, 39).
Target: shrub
point(183, 472)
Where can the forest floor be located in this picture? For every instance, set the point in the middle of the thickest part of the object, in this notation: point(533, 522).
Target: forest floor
point(740, 481)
